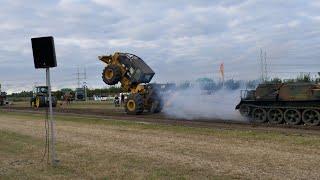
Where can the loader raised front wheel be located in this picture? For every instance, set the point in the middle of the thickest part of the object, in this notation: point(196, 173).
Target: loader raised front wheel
point(134, 104)
point(111, 74)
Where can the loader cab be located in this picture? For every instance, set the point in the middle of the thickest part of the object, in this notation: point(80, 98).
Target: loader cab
point(138, 70)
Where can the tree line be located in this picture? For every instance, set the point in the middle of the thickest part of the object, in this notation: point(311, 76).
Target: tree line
point(206, 84)
point(59, 93)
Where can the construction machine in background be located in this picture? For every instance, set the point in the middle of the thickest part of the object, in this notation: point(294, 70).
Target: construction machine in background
point(134, 75)
point(3, 97)
point(292, 103)
point(80, 94)
point(40, 97)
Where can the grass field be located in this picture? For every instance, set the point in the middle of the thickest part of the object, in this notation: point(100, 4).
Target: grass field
point(92, 148)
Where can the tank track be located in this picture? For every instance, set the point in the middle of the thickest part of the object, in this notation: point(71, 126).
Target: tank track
point(286, 107)
point(292, 115)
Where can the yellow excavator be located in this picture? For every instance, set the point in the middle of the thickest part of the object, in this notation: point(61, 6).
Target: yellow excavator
point(135, 76)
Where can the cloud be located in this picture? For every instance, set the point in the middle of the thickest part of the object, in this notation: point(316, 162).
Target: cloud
point(180, 40)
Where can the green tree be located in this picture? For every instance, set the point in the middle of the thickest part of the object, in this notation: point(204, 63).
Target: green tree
point(304, 78)
point(206, 84)
point(276, 80)
point(232, 84)
point(318, 78)
point(185, 85)
point(251, 84)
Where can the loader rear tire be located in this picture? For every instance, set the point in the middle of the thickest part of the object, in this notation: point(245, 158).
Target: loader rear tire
point(111, 74)
point(134, 104)
point(154, 106)
point(157, 106)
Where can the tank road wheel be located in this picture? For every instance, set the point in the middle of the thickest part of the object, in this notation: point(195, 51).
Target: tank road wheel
point(134, 104)
point(259, 115)
point(311, 117)
point(111, 74)
point(292, 116)
point(275, 116)
point(244, 110)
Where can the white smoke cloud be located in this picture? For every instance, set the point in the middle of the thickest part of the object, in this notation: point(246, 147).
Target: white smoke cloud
point(194, 103)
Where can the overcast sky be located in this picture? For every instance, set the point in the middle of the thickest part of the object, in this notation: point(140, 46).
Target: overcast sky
point(180, 40)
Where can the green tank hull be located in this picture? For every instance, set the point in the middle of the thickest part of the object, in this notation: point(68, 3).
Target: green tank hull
point(291, 103)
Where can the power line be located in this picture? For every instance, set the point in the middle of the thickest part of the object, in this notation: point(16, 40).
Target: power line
point(293, 72)
point(296, 65)
point(81, 76)
point(78, 78)
point(265, 65)
point(261, 64)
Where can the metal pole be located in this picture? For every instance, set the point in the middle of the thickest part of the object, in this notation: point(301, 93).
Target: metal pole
point(85, 91)
point(53, 140)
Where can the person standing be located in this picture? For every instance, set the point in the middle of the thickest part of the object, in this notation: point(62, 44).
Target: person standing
point(122, 99)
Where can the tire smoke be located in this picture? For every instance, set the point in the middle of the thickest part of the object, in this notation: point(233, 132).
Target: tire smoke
point(194, 103)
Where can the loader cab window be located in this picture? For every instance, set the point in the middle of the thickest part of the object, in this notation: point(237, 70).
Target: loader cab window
point(137, 74)
point(43, 90)
point(147, 78)
point(131, 70)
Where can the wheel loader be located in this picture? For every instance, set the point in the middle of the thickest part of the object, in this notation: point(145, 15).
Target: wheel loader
point(134, 75)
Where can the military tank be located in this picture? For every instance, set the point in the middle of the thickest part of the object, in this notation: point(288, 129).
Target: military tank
point(277, 103)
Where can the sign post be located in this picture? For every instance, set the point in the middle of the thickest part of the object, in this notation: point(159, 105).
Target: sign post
point(54, 159)
point(44, 56)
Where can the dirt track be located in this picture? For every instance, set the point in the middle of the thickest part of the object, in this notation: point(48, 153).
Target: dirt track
point(162, 119)
point(127, 150)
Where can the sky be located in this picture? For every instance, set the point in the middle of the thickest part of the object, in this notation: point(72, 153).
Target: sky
point(180, 40)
